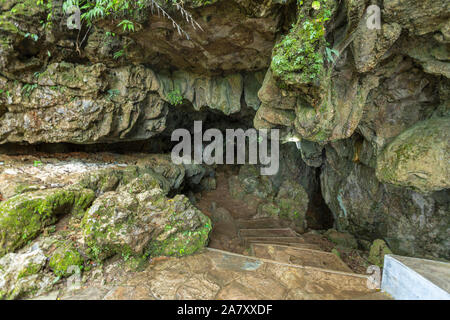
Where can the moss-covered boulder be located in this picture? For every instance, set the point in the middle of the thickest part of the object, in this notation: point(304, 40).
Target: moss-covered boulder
point(343, 239)
point(186, 231)
point(418, 158)
point(65, 259)
point(20, 274)
point(291, 203)
point(139, 219)
point(298, 58)
point(110, 179)
point(378, 250)
point(250, 181)
point(23, 217)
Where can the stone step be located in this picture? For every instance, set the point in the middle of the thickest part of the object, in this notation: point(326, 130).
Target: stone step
point(275, 240)
point(304, 282)
point(299, 256)
point(261, 223)
point(311, 246)
point(281, 232)
point(292, 244)
point(374, 296)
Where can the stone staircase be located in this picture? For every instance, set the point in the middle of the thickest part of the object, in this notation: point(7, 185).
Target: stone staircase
point(271, 240)
point(267, 238)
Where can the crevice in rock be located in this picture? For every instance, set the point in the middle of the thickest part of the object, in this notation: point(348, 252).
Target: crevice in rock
point(318, 215)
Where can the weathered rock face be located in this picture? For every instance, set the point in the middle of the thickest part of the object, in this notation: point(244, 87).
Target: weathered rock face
point(23, 217)
point(138, 219)
point(375, 87)
point(290, 203)
point(274, 196)
point(93, 104)
point(79, 104)
point(405, 95)
point(237, 36)
point(419, 18)
point(20, 274)
point(52, 92)
point(383, 83)
point(418, 157)
point(410, 222)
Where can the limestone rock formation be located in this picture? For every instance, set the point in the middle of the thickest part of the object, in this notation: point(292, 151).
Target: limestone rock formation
point(20, 274)
point(23, 217)
point(410, 222)
point(290, 203)
point(378, 250)
point(418, 157)
point(139, 219)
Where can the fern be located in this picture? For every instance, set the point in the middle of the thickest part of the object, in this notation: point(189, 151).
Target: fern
point(93, 10)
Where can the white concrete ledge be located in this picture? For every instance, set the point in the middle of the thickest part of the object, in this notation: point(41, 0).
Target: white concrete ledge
point(407, 278)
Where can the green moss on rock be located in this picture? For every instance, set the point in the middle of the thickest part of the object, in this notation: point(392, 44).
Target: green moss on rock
point(30, 269)
point(378, 250)
point(184, 243)
point(21, 274)
point(298, 57)
point(133, 223)
point(418, 157)
point(64, 258)
point(23, 217)
point(342, 239)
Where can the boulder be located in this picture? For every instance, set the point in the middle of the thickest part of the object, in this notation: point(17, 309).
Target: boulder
point(342, 239)
point(419, 157)
point(135, 221)
point(411, 223)
point(23, 217)
point(290, 203)
point(65, 259)
point(20, 274)
point(378, 250)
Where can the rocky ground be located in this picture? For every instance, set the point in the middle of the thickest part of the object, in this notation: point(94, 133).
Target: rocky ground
point(93, 226)
point(61, 214)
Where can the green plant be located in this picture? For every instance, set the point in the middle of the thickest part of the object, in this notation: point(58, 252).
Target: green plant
point(298, 57)
point(119, 54)
point(28, 88)
point(123, 10)
point(126, 256)
point(175, 98)
point(127, 25)
point(113, 93)
point(330, 53)
point(33, 36)
point(5, 92)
